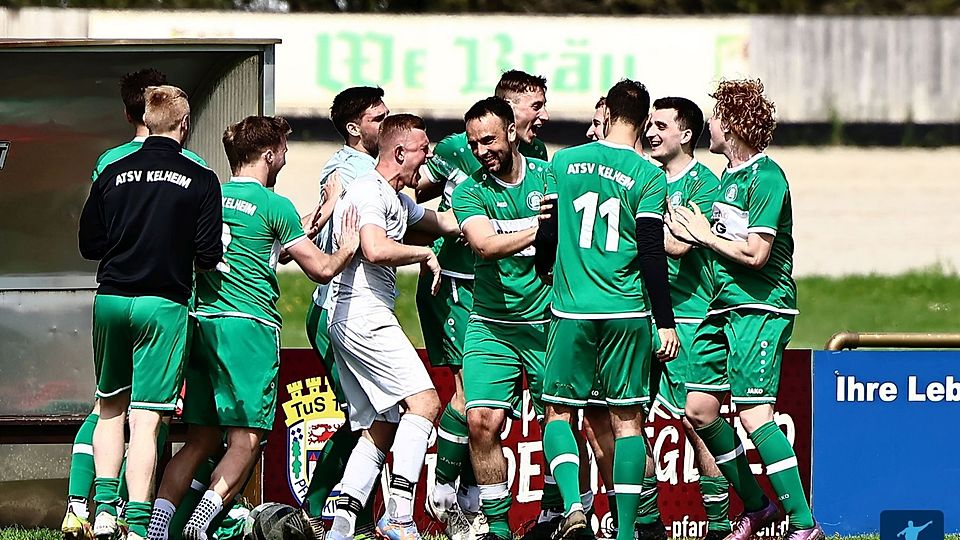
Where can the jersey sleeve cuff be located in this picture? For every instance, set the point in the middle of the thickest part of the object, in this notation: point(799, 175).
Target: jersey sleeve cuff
point(428, 174)
point(762, 230)
point(468, 218)
point(295, 241)
point(653, 215)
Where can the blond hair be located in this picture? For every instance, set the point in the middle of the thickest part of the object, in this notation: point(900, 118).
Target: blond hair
point(165, 107)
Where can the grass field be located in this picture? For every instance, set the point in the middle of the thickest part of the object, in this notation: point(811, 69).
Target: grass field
point(921, 301)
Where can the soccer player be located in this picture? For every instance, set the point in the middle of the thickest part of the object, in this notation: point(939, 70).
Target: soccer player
point(150, 218)
point(379, 369)
point(498, 209)
point(357, 114)
point(76, 523)
point(607, 239)
point(443, 317)
point(740, 344)
point(675, 126)
point(596, 129)
point(231, 376)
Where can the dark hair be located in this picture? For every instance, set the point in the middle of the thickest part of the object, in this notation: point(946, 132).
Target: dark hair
point(689, 115)
point(628, 101)
point(246, 139)
point(600, 102)
point(491, 105)
point(132, 87)
point(349, 105)
point(518, 82)
point(397, 123)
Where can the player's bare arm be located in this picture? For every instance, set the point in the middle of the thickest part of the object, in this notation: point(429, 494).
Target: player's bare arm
point(428, 190)
point(437, 224)
point(379, 249)
point(490, 245)
point(321, 267)
point(753, 253)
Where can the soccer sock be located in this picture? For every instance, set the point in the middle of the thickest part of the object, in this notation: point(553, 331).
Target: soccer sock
point(198, 486)
point(586, 500)
point(360, 475)
point(209, 506)
point(629, 456)
point(409, 450)
point(612, 504)
point(551, 502)
point(780, 462)
point(105, 494)
point(329, 469)
point(163, 511)
point(495, 502)
point(162, 430)
point(721, 440)
point(138, 517)
point(81, 467)
point(560, 451)
point(715, 491)
point(451, 445)
point(649, 511)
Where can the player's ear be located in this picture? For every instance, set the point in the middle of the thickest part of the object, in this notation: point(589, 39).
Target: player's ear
point(685, 136)
point(353, 129)
point(398, 154)
point(185, 123)
point(512, 132)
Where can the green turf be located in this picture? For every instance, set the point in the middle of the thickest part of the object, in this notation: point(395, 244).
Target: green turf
point(921, 301)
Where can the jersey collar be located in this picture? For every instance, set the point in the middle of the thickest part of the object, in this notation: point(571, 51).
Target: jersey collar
point(616, 145)
point(354, 151)
point(523, 174)
point(681, 174)
point(756, 157)
point(139, 139)
point(244, 179)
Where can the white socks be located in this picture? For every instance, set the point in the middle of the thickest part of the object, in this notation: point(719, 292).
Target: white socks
point(359, 478)
point(409, 450)
point(209, 506)
point(159, 528)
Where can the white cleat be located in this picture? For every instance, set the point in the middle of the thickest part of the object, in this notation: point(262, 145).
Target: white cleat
point(105, 526)
point(458, 526)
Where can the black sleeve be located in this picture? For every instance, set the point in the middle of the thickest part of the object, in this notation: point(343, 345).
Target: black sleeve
point(208, 242)
point(546, 245)
point(653, 263)
point(93, 232)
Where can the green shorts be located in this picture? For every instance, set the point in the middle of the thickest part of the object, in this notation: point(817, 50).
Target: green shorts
point(740, 351)
point(319, 338)
point(496, 358)
point(443, 318)
point(139, 344)
point(232, 373)
point(671, 390)
point(615, 351)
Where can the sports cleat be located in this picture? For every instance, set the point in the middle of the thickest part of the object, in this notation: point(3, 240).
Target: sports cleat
point(813, 533)
point(716, 535)
point(587, 533)
point(478, 522)
point(75, 527)
point(542, 530)
point(651, 531)
point(570, 525)
point(334, 534)
point(368, 532)
point(134, 536)
point(490, 536)
point(748, 523)
point(458, 526)
point(390, 529)
point(105, 526)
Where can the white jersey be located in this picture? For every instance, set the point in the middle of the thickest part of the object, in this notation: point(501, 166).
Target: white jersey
point(365, 287)
point(351, 164)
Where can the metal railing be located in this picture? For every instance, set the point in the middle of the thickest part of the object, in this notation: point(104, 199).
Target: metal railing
point(904, 340)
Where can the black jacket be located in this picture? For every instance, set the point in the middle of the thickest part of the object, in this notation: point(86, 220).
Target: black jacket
point(149, 217)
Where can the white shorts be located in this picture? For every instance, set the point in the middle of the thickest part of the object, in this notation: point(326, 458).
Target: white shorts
point(378, 366)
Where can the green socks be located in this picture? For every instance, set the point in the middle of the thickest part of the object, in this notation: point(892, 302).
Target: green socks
point(81, 461)
point(563, 460)
point(495, 502)
point(629, 457)
point(715, 491)
point(721, 440)
point(780, 462)
point(452, 450)
point(105, 495)
point(649, 511)
point(138, 517)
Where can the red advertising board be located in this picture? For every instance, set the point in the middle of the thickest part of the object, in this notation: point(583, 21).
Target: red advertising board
point(307, 416)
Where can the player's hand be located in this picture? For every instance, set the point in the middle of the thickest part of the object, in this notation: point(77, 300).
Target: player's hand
point(313, 226)
point(432, 265)
point(548, 207)
point(332, 188)
point(669, 344)
point(349, 238)
point(693, 220)
point(676, 229)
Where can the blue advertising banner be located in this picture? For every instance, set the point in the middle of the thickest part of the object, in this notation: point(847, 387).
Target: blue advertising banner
point(886, 429)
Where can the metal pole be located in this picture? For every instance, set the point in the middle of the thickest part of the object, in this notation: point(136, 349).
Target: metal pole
point(900, 340)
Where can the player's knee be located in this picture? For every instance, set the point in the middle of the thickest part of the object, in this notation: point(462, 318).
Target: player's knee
point(484, 423)
point(754, 416)
point(246, 441)
point(425, 404)
point(143, 422)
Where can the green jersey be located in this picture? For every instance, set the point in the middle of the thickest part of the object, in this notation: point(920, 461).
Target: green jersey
point(256, 224)
point(125, 149)
point(755, 198)
point(602, 188)
point(691, 276)
point(452, 163)
point(507, 290)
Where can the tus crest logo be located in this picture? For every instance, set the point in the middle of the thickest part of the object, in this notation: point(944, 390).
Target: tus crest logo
point(911, 525)
point(311, 418)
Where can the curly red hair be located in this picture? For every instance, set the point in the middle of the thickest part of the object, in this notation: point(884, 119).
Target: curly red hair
point(743, 108)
